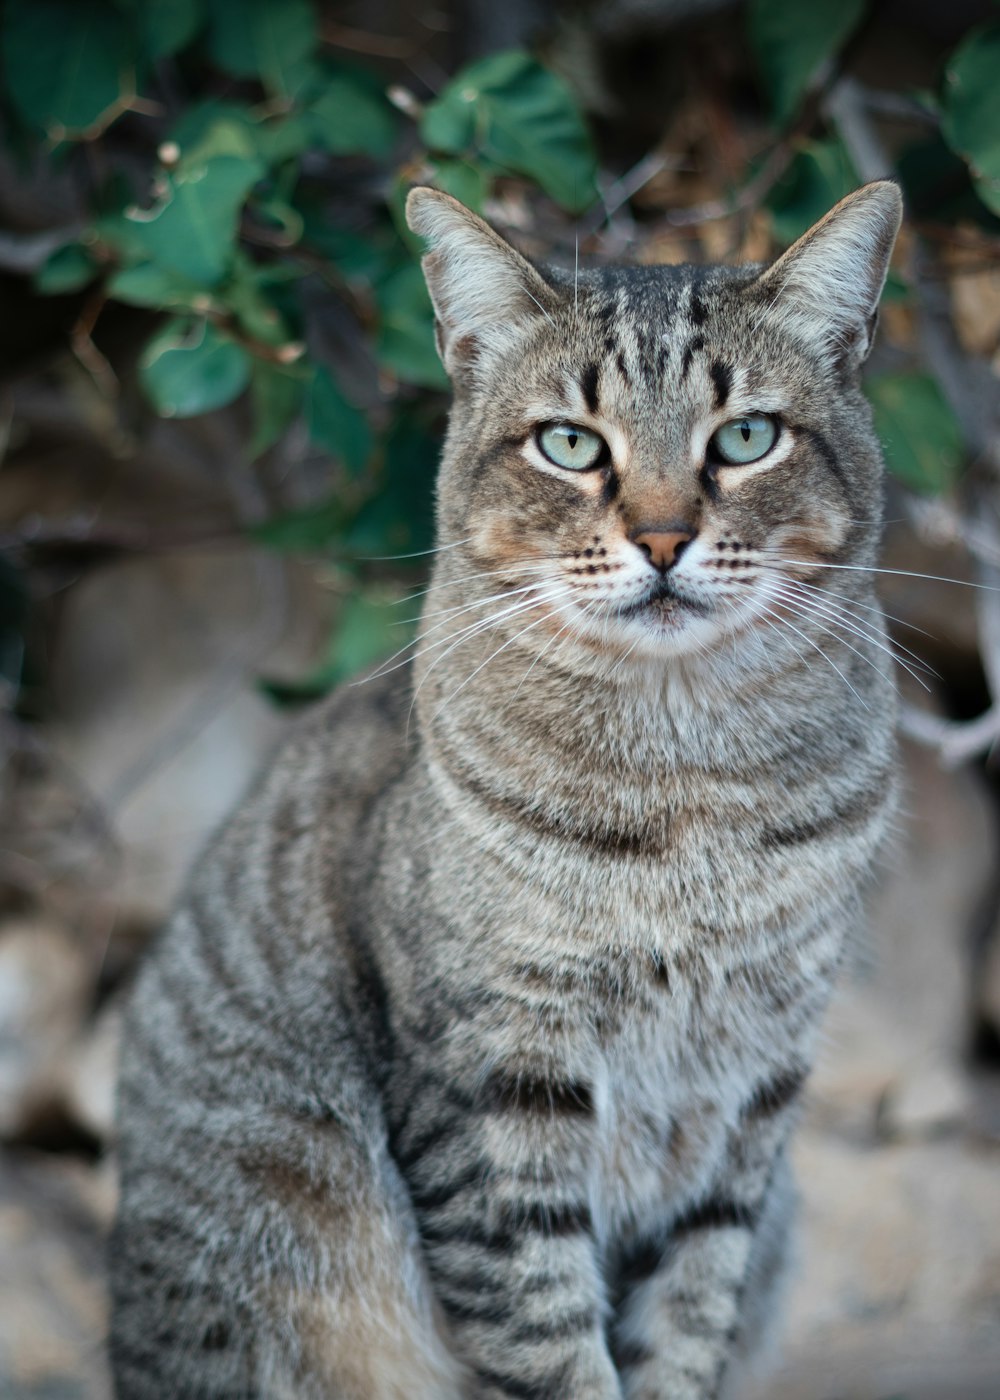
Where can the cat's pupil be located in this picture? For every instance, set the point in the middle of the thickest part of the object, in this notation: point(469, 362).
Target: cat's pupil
point(745, 430)
point(571, 439)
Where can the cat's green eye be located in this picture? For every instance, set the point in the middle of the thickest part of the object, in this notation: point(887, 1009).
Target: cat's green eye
point(744, 439)
point(570, 446)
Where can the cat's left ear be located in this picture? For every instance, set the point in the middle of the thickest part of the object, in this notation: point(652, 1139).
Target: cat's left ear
point(484, 292)
point(825, 289)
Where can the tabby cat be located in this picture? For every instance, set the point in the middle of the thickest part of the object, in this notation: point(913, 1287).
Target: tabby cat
point(468, 1065)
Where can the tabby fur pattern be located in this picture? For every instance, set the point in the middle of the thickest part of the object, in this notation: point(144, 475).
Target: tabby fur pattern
point(468, 1064)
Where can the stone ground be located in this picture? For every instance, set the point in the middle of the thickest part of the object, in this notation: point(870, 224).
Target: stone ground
point(896, 1291)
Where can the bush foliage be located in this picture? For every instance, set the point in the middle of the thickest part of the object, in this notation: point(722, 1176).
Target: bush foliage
point(237, 161)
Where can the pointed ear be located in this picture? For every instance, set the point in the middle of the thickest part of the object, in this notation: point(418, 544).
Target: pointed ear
point(484, 293)
point(825, 289)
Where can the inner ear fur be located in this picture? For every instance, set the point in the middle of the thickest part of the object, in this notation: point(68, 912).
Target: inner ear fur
point(825, 289)
point(483, 291)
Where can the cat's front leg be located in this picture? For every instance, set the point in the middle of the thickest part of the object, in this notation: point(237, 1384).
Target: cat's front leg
point(684, 1296)
point(499, 1181)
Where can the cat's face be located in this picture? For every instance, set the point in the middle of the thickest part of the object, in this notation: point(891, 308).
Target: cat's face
point(648, 456)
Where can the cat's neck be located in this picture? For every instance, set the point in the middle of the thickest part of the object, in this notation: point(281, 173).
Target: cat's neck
point(525, 696)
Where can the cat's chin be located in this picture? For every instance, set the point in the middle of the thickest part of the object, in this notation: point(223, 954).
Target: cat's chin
point(668, 613)
point(668, 625)
point(657, 630)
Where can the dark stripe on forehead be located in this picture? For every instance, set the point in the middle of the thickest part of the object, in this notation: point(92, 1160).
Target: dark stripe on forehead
point(690, 350)
point(622, 367)
point(722, 378)
point(588, 386)
point(607, 314)
point(696, 309)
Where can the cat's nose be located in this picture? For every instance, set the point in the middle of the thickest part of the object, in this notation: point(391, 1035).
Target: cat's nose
point(663, 548)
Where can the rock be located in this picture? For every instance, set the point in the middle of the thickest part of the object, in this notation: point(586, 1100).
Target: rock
point(160, 713)
point(87, 1081)
point(901, 1015)
point(46, 983)
point(925, 1103)
point(896, 1288)
point(986, 992)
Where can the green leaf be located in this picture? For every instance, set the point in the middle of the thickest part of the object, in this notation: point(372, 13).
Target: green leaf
point(190, 368)
point(265, 39)
point(283, 218)
point(67, 270)
point(152, 286)
point(336, 424)
point(283, 138)
point(791, 39)
point(311, 530)
point(399, 517)
point(921, 437)
point(468, 183)
point(367, 630)
point(214, 128)
point(245, 295)
point(196, 120)
point(192, 232)
point(67, 62)
point(405, 340)
point(229, 135)
point(362, 257)
point(167, 26)
point(276, 394)
point(937, 183)
point(896, 288)
point(819, 175)
point(522, 118)
point(971, 109)
point(351, 115)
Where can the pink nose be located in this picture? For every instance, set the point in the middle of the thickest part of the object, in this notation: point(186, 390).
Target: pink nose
point(663, 547)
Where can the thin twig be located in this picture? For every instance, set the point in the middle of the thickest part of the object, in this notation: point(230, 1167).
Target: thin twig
point(956, 741)
point(344, 36)
point(747, 197)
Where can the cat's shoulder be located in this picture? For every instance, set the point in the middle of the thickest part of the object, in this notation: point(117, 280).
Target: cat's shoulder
point(336, 759)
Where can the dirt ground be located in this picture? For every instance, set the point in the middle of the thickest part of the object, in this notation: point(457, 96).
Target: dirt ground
point(895, 1294)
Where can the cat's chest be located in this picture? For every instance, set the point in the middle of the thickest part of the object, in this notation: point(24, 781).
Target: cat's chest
point(679, 1066)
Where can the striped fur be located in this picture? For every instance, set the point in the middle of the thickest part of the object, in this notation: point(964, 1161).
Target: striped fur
point(467, 1066)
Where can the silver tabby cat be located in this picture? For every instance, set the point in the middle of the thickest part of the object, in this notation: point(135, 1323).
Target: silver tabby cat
point(468, 1065)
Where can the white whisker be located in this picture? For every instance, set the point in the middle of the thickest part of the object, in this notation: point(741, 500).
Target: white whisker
point(483, 626)
point(798, 631)
point(510, 572)
point(891, 573)
point(868, 607)
point(509, 642)
point(863, 624)
point(415, 554)
point(480, 624)
point(805, 608)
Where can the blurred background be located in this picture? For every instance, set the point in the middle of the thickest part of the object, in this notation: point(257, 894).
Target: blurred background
point(220, 412)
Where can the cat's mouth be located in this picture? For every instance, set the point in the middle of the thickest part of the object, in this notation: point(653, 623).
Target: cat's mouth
point(664, 605)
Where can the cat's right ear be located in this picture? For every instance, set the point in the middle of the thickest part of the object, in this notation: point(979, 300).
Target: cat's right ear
point(484, 292)
point(825, 289)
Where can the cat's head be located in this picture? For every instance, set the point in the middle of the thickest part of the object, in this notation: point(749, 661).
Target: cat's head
point(653, 455)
